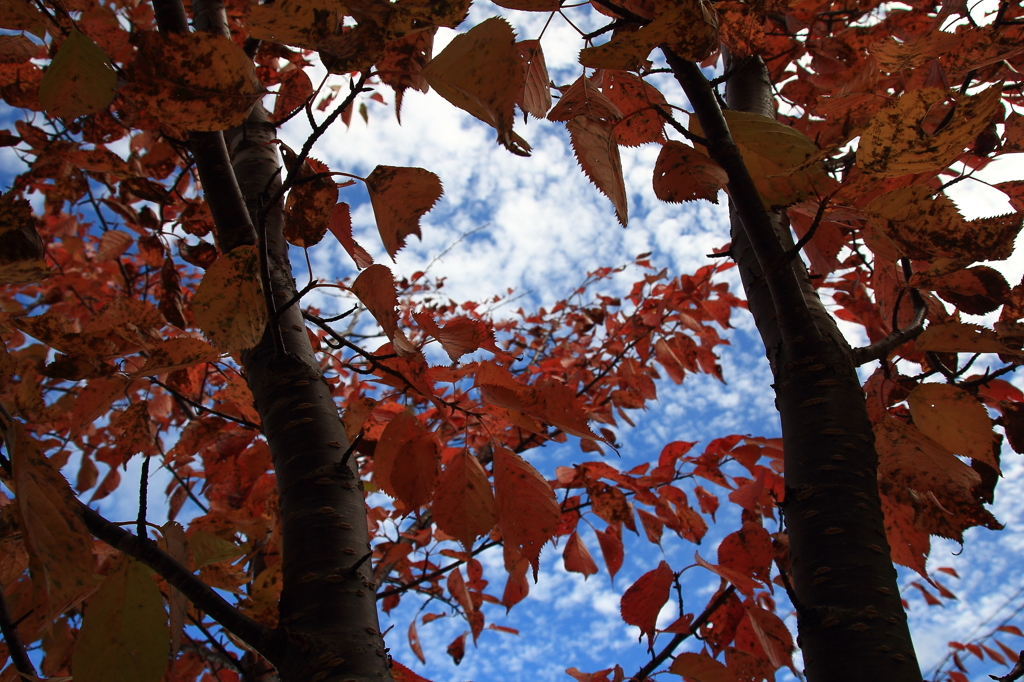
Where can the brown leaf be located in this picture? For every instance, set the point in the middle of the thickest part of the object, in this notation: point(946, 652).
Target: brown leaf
point(597, 152)
point(683, 173)
point(295, 91)
point(639, 103)
point(229, 305)
point(79, 79)
point(481, 73)
point(908, 458)
point(309, 205)
point(59, 546)
point(955, 419)
point(954, 337)
point(584, 98)
point(527, 512)
point(405, 462)
point(535, 97)
point(340, 225)
point(400, 196)
point(699, 667)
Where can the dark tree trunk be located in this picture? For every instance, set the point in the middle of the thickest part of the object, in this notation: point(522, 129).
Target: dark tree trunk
point(852, 626)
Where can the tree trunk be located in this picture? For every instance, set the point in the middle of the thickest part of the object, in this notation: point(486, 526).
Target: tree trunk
point(328, 628)
point(852, 626)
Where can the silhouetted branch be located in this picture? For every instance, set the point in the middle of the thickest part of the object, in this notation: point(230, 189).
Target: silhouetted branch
point(199, 593)
point(882, 348)
point(15, 647)
point(663, 655)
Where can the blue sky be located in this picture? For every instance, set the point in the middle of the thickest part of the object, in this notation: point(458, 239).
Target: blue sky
point(544, 227)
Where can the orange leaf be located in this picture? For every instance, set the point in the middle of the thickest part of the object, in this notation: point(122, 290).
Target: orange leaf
point(642, 602)
point(583, 98)
point(400, 196)
point(527, 512)
point(597, 152)
point(577, 557)
point(639, 103)
point(684, 174)
point(340, 225)
point(908, 545)
point(405, 461)
point(464, 506)
point(403, 674)
point(955, 419)
point(375, 287)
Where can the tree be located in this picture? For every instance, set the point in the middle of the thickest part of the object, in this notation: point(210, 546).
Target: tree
point(875, 103)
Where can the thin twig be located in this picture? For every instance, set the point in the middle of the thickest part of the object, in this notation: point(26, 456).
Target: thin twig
point(15, 647)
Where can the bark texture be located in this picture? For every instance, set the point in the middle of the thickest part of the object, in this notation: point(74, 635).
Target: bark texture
point(852, 625)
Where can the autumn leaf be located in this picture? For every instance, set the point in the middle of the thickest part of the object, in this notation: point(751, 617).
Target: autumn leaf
point(400, 196)
point(208, 549)
point(640, 104)
point(576, 556)
point(192, 81)
point(535, 98)
point(340, 224)
point(584, 98)
point(642, 602)
point(743, 582)
point(303, 23)
point(59, 546)
point(596, 150)
point(907, 457)
point(481, 73)
point(684, 174)
point(689, 28)
point(464, 505)
point(405, 461)
point(527, 512)
point(748, 551)
point(908, 544)
point(955, 419)
point(773, 636)
point(124, 635)
point(309, 205)
point(176, 353)
point(610, 540)
point(957, 337)
point(699, 667)
point(229, 306)
point(79, 80)
point(896, 142)
point(375, 288)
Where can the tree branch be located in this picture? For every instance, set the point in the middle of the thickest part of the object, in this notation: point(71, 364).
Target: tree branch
point(793, 314)
point(662, 655)
point(199, 593)
point(15, 647)
point(882, 348)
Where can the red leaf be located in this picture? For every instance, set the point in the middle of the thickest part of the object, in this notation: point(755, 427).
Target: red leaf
point(535, 97)
point(516, 587)
point(577, 557)
point(653, 526)
point(457, 649)
point(405, 461)
point(611, 547)
point(464, 506)
point(642, 602)
point(682, 173)
point(748, 551)
point(641, 123)
point(375, 288)
point(403, 674)
point(527, 512)
point(414, 641)
point(773, 635)
point(743, 583)
point(340, 225)
point(701, 668)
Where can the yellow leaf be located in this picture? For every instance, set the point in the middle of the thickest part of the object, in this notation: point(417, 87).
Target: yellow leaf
point(597, 152)
point(124, 635)
point(208, 548)
point(895, 142)
point(400, 196)
point(689, 28)
point(229, 305)
point(954, 419)
point(59, 546)
point(481, 72)
point(79, 80)
point(954, 337)
point(193, 81)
